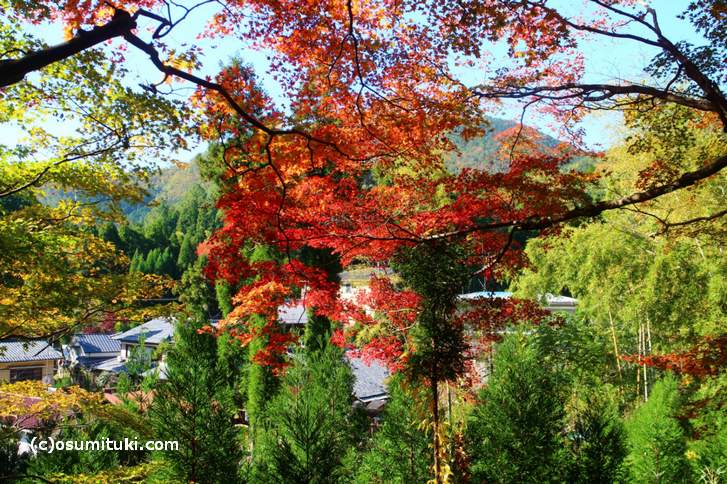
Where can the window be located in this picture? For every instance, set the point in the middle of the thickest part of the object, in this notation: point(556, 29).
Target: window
point(26, 373)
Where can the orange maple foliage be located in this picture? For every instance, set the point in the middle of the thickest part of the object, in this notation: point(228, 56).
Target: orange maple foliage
point(706, 358)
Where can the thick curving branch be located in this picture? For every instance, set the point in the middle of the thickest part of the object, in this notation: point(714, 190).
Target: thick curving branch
point(594, 93)
point(13, 71)
point(543, 222)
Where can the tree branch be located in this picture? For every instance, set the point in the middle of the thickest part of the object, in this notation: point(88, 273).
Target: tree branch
point(537, 222)
point(213, 86)
point(13, 71)
point(587, 92)
point(37, 179)
point(668, 225)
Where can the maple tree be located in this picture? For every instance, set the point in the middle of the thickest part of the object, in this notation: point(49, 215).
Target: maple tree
point(56, 276)
point(372, 91)
point(55, 185)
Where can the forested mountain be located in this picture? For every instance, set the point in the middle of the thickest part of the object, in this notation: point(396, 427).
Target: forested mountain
point(491, 150)
point(482, 151)
point(169, 186)
point(165, 241)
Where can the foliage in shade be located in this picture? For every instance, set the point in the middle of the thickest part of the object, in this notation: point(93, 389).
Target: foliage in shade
point(597, 443)
point(707, 451)
point(399, 449)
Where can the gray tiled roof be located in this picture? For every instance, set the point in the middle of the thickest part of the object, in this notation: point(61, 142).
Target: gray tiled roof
point(97, 343)
point(155, 331)
point(370, 379)
point(112, 364)
point(92, 362)
point(12, 350)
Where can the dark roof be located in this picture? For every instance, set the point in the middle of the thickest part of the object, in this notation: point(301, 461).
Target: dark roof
point(155, 331)
point(370, 379)
point(97, 343)
point(12, 350)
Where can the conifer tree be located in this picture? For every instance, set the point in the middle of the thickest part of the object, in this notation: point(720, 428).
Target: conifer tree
point(223, 294)
point(261, 386)
point(167, 265)
point(437, 272)
point(656, 439)
point(318, 327)
point(308, 427)
point(186, 254)
point(151, 262)
point(110, 233)
point(261, 381)
point(597, 443)
point(136, 260)
point(195, 407)
point(399, 450)
point(139, 361)
point(514, 432)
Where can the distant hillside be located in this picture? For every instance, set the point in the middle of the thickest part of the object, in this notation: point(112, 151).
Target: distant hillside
point(478, 153)
point(169, 186)
point(482, 153)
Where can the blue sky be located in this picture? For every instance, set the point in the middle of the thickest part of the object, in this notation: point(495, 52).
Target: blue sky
point(606, 60)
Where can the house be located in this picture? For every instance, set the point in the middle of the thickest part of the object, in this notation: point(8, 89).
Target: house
point(292, 315)
point(153, 333)
point(90, 350)
point(28, 360)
